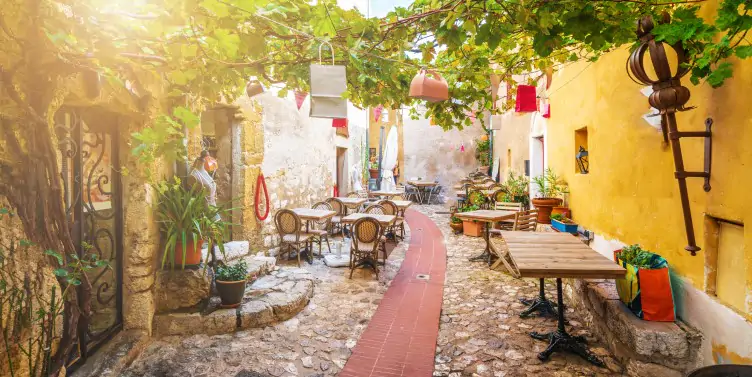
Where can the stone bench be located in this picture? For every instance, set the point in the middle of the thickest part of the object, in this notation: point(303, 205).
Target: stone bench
point(645, 348)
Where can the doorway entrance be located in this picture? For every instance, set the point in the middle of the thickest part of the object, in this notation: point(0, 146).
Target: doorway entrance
point(89, 157)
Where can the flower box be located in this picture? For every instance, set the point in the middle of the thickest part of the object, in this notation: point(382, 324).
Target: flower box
point(564, 226)
point(472, 228)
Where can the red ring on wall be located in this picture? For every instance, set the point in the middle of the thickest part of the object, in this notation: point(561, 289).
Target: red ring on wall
point(261, 183)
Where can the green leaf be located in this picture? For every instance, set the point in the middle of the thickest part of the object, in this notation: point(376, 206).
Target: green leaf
point(61, 272)
point(743, 52)
point(56, 255)
point(189, 119)
point(720, 74)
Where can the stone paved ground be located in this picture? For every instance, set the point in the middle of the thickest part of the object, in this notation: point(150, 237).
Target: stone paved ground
point(317, 342)
point(481, 333)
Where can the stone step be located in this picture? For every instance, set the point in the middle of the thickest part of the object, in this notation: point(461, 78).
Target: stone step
point(273, 298)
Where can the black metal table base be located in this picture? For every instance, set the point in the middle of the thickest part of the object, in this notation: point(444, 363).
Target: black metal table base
point(541, 305)
point(486, 254)
point(560, 340)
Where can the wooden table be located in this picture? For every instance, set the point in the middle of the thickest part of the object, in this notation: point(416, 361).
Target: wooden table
point(384, 220)
point(423, 188)
point(489, 217)
point(308, 215)
point(352, 202)
point(558, 255)
point(388, 194)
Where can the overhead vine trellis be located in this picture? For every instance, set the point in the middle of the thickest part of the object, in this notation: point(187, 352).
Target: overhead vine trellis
point(205, 51)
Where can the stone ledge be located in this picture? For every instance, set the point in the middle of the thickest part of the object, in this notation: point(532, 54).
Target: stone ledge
point(270, 299)
point(666, 348)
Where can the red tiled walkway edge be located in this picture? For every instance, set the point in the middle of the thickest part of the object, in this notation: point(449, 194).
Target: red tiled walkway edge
point(400, 340)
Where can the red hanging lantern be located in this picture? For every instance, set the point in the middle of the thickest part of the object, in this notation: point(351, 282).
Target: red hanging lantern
point(377, 112)
point(431, 89)
point(339, 123)
point(525, 101)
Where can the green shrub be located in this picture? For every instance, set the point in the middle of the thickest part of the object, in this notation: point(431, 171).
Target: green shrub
point(234, 272)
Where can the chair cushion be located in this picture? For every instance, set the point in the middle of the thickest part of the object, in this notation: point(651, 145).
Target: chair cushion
point(337, 219)
point(317, 232)
point(291, 237)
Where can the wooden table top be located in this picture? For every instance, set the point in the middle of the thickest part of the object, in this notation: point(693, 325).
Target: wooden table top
point(314, 214)
point(486, 215)
point(460, 193)
point(352, 202)
point(423, 183)
point(387, 193)
point(402, 204)
point(558, 255)
point(383, 219)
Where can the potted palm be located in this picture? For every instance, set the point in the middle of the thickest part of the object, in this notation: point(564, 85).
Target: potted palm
point(186, 221)
point(550, 189)
point(230, 281)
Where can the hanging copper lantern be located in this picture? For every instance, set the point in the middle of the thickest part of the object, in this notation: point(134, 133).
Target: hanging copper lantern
point(429, 86)
point(669, 96)
point(253, 88)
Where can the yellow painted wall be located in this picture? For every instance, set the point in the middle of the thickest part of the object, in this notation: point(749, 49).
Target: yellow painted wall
point(511, 143)
point(631, 193)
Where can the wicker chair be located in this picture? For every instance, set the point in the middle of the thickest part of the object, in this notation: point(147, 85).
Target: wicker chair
point(399, 223)
point(353, 194)
point(364, 250)
point(320, 229)
point(376, 209)
point(336, 222)
point(476, 197)
point(290, 234)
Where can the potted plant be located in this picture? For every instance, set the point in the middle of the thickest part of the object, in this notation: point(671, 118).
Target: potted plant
point(550, 187)
point(517, 189)
point(482, 147)
point(373, 170)
point(563, 224)
point(646, 288)
point(186, 221)
point(230, 281)
point(456, 224)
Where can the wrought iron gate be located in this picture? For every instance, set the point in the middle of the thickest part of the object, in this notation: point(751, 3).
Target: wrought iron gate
point(89, 155)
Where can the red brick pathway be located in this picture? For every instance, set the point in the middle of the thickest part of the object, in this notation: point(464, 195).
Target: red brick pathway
point(401, 338)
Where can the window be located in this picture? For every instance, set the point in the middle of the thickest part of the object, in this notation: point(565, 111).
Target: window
point(581, 151)
point(725, 260)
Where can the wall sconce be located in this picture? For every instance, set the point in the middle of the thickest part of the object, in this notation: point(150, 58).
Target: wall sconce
point(669, 96)
point(582, 160)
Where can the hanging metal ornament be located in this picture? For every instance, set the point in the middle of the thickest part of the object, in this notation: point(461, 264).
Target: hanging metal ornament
point(328, 84)
point(253, 88)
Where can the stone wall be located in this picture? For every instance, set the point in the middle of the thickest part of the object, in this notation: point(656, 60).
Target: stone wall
point(432, 153)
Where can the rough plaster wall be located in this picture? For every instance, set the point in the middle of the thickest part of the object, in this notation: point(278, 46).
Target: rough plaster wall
point(432, 153)
point(357, 128)
point(513, 136)
point(299, 157)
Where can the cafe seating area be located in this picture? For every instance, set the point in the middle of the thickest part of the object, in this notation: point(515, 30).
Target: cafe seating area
point(356, 226)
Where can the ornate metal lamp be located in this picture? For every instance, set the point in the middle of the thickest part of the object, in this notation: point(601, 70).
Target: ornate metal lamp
point(669, 96)
point(582, 160)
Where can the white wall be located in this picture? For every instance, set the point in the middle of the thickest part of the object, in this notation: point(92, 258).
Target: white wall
point(431, 152)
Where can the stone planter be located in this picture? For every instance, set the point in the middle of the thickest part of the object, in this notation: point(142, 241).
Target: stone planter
point(231, 292)
point(472, 228)
point(544, 207)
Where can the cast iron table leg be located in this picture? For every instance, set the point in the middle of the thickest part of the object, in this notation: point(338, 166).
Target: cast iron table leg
point(540, 304)
point(307, 254)
point(560, 340)
point(486, 254)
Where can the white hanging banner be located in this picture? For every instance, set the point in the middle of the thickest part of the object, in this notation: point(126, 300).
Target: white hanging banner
point(328, 83)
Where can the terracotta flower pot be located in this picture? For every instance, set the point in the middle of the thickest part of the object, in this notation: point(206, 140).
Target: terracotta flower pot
point(456, 227)
point(374, 173)
point(545, 206)
point(192, 253)
point(231, 292)
point(561, 210)
point(472, 228)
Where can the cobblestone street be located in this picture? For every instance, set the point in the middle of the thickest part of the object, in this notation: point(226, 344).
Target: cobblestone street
point(317, 342)
point(480, 332)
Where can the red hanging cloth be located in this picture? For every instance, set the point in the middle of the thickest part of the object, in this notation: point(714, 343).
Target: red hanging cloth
point(300, 98)
point(525, 101)
point(339, 123)
point(546, 110)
